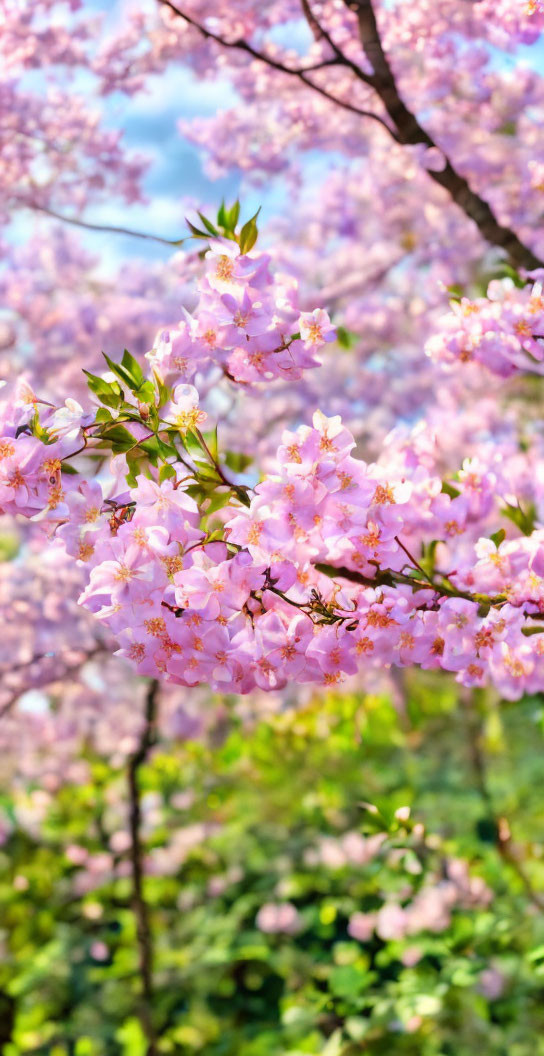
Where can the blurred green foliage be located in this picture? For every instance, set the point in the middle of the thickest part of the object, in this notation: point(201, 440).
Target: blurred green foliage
point(264, 813)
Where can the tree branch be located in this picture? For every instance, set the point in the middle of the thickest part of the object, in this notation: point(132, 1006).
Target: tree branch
point(139, 905)
point(321, 33)
point(499, 824)
point(300, 74)
point(391, 578)
point(410, 132)
point(68, 669)
point(108, 228)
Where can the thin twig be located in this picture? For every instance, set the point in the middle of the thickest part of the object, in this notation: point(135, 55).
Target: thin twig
point(321, 33)
point(390, 578)
point(107, 228)
point(300, 74)
point(413, 560)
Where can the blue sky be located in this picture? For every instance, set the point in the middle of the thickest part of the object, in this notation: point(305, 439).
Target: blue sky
point(176, 174)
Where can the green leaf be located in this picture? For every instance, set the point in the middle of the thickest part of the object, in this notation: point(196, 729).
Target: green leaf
point(128, 370)
point(249, 234)
point(166, 472)
point(195, 231)
point(157, 449)
point(167, 450)
point(132, 1038)
point(103, 415)
point(222, 215)
point(146, 393)
point(237, 461)
point(523, 519)
point(133, 367)
point(38, 430)
point(134, 461)
point(151, 448)
point(428, 557)
point(208, 225)
point(10, 545)
point(448, 489)
point(118, 438)
point(117, 368)
point(108, 392)
point(206, 472)
point(348, 981)
point(163, 390)
point(346, 338)
point(217, 501)
point(530, 631)
point(210, 438)
point(192, 444)
point(498, 537)
point(196, 491)
point(233, 216)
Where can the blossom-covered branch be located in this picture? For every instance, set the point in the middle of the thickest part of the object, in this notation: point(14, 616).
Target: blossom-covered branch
point(323, 565)
point(403, 125)
point(301, 74)
point(409, 131)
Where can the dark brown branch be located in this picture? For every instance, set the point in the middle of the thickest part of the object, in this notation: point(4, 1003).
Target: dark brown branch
point(139, 905)
point(405, 127)
point(410, 132)
point(242, 45)
point(321, 33)
point(301, 74)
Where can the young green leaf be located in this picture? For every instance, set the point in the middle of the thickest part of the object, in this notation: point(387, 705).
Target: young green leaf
point(222, 215)
point(237, 461)
point(195, 231)
point(122, 372)
point(498, 537)
point(208, 225)
point(108, 392)
point(166, 472)
point(249, 234)
point(118, 438)
point(132, 366)
point(233, 216)
point(448, 489)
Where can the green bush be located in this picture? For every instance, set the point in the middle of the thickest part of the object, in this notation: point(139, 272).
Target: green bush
point(304, 814)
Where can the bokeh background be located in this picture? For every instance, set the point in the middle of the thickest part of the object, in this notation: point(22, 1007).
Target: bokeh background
point(357, 871)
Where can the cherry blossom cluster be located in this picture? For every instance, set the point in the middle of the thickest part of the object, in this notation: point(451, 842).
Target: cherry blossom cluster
point(247, 323)
point(42, 119)
point(310, 577)
point(503, 331)
point(328, 565)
